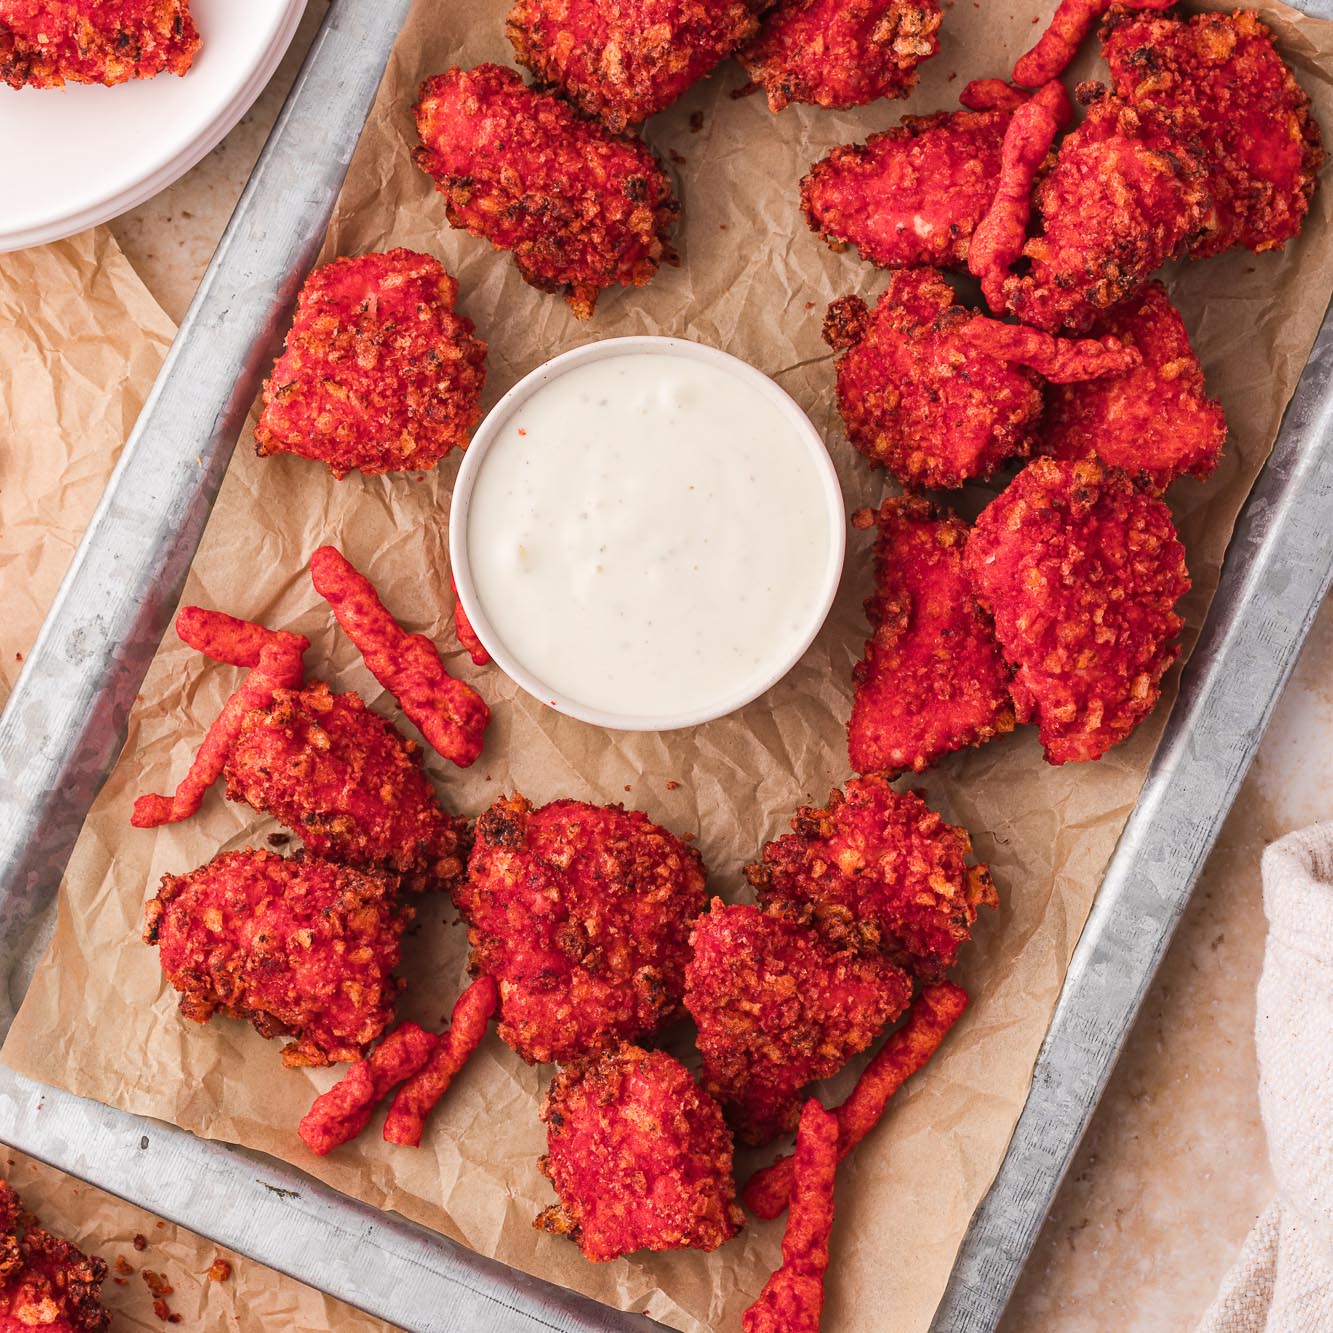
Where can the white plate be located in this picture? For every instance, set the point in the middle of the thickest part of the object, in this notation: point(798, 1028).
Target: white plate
point(73, 157)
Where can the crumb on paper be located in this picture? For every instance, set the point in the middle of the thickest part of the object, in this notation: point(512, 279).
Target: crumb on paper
point(140, 1241)
point(678, 158)
point(278, 839)
point(672, 784)
point(219, 1270)
point(696, 121)
point(123, 1265)
point(157, 1283)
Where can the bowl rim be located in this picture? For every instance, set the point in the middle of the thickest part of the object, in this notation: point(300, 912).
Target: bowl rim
point(489, 430)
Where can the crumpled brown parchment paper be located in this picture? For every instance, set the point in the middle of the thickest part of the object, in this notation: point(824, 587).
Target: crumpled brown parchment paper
point(754, 281)
point(251, 1299)
point(81, 341)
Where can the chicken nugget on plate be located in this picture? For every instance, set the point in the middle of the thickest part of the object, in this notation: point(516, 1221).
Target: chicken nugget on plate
point(48, 43)
point(1124, 192)
point(910, 195)
point(881, 870)
point(349, 784)
point(639, 1156)
point(1220, 77)
point(932, 679)
point(624, 60)
point(919, 398)
point(1155, 421)
point(580, 208)
point(300, 947)
point(1082, 571)
point(840, 53)
point(45, 1282)
point(378, 373)
point(777, 1007)
point(582, 914)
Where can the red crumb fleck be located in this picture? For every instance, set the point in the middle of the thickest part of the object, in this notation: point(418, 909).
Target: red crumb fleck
point(672, 784)
point(157, 1283)
point(123, 1265)
point(679, 158)
point(696, 121)
point(219, 1270)
point(140, 1241)
point(521, 431)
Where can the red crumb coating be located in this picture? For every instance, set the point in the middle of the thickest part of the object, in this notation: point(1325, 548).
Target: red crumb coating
point(624, 60)
point(45, 1282)
point(840, 53)
point(418, 1097)
point(881, 870)
point(999, 236)
point(378, 372)
point(581, 209)
point(451, 715)
point(907, 1050)
point(1155, 421)
point(778, 1007)
point(340, 1114)
point(639, 1156)
point(300, 947)
point(1081, 571)
point(911, 195)
point(582, 914)
point(281, 667)
point(48, 43)
point(348, 784)
point(1220, 77)
point(932, 679)
point(1124, 193)
point(793, 1297)
point(918, 397)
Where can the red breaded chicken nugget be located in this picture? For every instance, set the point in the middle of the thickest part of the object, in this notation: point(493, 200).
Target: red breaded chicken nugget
point(581, 209)
point(911, 195)
point(624, 60)
point(839, 53)
point(1081, 571)
point(582, 914)
point(48, 43)
point(917, 397)
point(778, 1007)
point(639, 1156)
point(348, 784)
point(45, 1282)
point(1124, 193)
point(1220, 77)
point(1156, 421)
point(882, 871)
point(300, 947)
point(932, 679)
point(379, 373)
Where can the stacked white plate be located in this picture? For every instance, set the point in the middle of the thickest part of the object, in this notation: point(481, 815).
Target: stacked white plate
point(73, 157)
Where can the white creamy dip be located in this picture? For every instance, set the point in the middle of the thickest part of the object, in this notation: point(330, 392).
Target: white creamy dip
point(652, 536)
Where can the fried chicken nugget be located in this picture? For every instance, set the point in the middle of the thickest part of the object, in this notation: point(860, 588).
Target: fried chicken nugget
point(378, 372)
point(1220, 77)
point(349, 784)
point(911, 195)
point(1124, 193)
point(582, 914)
point(1156, 421)
point(1081, 571)
point(919, 398)
point(300, 947)
point(639, 1157)
point(840, 53)
point(625, 60)
point(45, 1282)
point(580, 208)
point(932, 679)
point(777, 1007)
point(48, 43)
point(881, 871)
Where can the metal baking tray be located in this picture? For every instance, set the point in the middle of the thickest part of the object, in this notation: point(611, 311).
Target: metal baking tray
point(66, 722)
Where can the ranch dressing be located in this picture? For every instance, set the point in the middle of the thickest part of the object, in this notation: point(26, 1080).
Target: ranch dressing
point(650, 536)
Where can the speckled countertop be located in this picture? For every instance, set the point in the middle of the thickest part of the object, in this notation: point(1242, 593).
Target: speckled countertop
point(1173, 1171)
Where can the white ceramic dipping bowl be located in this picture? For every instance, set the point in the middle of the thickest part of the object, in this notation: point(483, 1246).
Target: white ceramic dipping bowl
point(800, 618)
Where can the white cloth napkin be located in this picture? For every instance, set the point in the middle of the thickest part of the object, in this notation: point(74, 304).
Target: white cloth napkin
point(1283, 1280)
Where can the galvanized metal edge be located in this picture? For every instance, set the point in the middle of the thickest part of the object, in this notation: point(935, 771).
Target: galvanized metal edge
point(273, 1213)
point(1278, 571)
